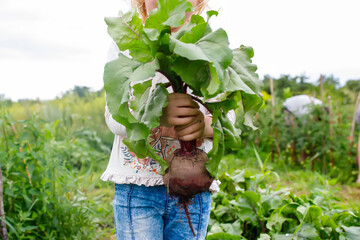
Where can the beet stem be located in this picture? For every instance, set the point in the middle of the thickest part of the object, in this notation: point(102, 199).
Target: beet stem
point(187, 147)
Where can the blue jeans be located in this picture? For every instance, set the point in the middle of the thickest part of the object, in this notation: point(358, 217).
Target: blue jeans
point(149, 213)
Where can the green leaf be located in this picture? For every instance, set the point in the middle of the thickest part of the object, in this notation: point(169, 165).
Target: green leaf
point(252, 197)
point(308, 232)
point(126, 31)
point(224, 236)
point(117, 83)
point(168, 13)
point(352, 233)
point(118, 75)
point(232, 228)
point(283, 236)
point(244, 67)
point(196, 33)
point(258, 158)
point(241, 75)
point(217, 152)
point(211, 13)
point(239, 177)
point(326, 221)
point(225, 134)
point(153, 107)
point(141, 94)
point(315, 213)
point(194, 21)
point(246, 211)
point(225, 102)
point(212, 48)
point(231, 134)
point(195, 74)
point(264, 236)
point(275, 222)
point(142, 72)
point(233, 82)
point(251, 104)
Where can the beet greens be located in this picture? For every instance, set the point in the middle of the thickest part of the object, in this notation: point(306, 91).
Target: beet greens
point(195, 57)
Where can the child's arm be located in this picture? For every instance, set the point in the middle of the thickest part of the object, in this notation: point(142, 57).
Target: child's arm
point(189, 122)
point(115, 127)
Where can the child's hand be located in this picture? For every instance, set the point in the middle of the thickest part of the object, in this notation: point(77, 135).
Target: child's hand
point(183, 113)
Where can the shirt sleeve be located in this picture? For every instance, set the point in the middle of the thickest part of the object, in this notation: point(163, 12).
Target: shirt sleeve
point(114, 126)
point(113, 52)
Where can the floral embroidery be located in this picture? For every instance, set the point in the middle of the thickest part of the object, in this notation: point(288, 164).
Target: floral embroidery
point(139, 164)
point(162, 140)
point(159, 140)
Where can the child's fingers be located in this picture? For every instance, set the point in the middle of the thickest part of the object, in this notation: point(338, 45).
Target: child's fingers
point(195, 127)
point(192, 136)
point(181, 100)
point(185, 112)
point(175, 121)
point(179, 116)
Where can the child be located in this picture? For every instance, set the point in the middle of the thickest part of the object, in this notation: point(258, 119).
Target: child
point(142, 208)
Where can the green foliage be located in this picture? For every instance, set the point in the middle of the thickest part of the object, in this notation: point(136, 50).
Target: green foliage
point(317, 142)
point(247, 208)
point(78, 109)
point(47, 175)
point(287, 85)
point(196, 57)
point(353, 85)
point(66, 201)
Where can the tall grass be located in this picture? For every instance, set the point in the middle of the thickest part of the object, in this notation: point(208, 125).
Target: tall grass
point(48, 174)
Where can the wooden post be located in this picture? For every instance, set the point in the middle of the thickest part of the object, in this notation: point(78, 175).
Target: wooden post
point(272, 92)
point(322, 94)
point(354, 118)
point(331, 130)
point(351, 137)
point(330, 117)
point(338, 114)
point(273, 114)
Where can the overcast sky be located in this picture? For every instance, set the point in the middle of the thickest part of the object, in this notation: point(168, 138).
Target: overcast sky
point(47, 47)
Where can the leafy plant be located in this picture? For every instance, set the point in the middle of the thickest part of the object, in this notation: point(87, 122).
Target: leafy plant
point(317, 142)
point(247, 208)
point(44, 194)
point(195, 57)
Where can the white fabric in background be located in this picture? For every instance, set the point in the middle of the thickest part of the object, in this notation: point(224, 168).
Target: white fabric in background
point(300, 105)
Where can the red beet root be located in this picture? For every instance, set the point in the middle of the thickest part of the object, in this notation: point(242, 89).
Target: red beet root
point(187, 175)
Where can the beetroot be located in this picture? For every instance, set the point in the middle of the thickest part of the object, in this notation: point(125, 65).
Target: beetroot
point(187, 175)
